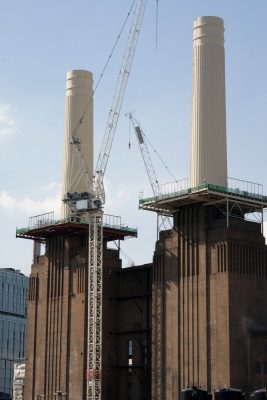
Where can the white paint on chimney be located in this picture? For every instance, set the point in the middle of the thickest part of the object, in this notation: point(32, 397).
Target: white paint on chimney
point(79, 104)
point(208, 131)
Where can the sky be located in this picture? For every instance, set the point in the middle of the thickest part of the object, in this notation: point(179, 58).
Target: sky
point(41, 41)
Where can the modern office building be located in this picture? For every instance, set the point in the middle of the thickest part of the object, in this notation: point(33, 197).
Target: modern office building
point(13, 297)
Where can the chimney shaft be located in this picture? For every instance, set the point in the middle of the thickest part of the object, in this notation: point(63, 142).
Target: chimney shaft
point(208, 131)
point(79, 104)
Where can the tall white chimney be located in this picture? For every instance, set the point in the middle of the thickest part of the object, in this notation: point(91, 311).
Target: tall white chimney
point(79, 104)
point(208, 131)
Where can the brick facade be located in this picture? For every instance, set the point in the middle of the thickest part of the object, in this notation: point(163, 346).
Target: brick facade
point(208, 298)
point(56, 350)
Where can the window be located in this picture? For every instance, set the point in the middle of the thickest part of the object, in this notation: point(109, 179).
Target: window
point(130, 348)
point(130, 370)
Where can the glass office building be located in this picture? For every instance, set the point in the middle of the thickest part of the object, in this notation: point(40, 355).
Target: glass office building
point(13, 298)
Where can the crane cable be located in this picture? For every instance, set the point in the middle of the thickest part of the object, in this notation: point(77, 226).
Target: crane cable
point(155, 151)
point(157, 21)
point(75, 131)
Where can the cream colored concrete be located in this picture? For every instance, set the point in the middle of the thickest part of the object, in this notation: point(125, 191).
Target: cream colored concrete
point(208, 131)
point(79, 102)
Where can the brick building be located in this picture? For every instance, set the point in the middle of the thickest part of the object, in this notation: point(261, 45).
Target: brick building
point(56, 358)
point(198, 314)
point(209, 294)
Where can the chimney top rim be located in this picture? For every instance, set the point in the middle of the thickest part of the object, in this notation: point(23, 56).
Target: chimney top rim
point(208, 19)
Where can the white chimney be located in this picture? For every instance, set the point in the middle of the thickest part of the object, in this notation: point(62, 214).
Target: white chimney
point(208, 131)
point(79, 104)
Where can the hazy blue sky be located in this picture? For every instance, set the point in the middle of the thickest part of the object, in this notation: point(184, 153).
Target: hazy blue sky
point(41, 41)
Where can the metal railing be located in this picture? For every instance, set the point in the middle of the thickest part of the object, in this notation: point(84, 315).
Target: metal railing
point(236, 187)
point(174, 187)
point(38, 221)
point(246, 187)
point(48, 219)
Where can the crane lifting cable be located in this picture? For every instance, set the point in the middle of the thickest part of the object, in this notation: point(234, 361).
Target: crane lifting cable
point(157, 21)
point(103, 70)
point(159, 157)
point(146, 139)
point(163, 221)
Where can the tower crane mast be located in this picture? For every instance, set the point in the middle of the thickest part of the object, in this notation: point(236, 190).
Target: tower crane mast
point(91, 203)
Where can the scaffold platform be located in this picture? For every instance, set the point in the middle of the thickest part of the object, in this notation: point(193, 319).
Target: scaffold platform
point(239, 198)
point(41, 227)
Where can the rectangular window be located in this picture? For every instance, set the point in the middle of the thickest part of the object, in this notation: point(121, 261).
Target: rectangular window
point(130, 369)
point(130, 348)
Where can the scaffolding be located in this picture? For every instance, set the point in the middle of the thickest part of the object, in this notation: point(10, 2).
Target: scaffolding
point(240, 199)
point(40, 227)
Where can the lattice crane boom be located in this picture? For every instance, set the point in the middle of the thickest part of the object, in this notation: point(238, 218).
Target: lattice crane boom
point(165, 221)
point(146, 155)
point(91, 203)
point(115, 109)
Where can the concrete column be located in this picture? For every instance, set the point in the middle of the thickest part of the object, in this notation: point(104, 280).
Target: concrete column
point(208, 131)
point(79, 104)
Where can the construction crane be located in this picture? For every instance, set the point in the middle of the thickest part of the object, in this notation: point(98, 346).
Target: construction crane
point(163, 221)
point(91, 203)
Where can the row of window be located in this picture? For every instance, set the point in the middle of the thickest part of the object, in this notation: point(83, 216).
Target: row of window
point(6, 363)
point(13, 288)
point(6, 385)
point(13, 292)
point(13, 297)
point(12, 354)
point(13, 278)
point(6, 373)
point(11, 323)
point(16, 309)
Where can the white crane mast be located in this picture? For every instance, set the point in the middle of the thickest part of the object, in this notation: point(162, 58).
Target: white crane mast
point(95, 248)
point(91, 203)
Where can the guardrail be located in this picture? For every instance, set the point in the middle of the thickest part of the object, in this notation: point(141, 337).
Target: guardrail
point(48, 219)
point(236, 187)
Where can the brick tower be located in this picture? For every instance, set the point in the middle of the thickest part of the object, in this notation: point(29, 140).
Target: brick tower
point(209, 276)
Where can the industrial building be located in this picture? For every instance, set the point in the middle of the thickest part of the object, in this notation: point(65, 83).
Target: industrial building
point(197, 314)
point(13, 302)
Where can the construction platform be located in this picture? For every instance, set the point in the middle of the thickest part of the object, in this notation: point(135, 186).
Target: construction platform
point(240, 198)
point(43, 226)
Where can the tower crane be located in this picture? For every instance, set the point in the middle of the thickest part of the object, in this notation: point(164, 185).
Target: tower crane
point(91, 203)
point(162, 220)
